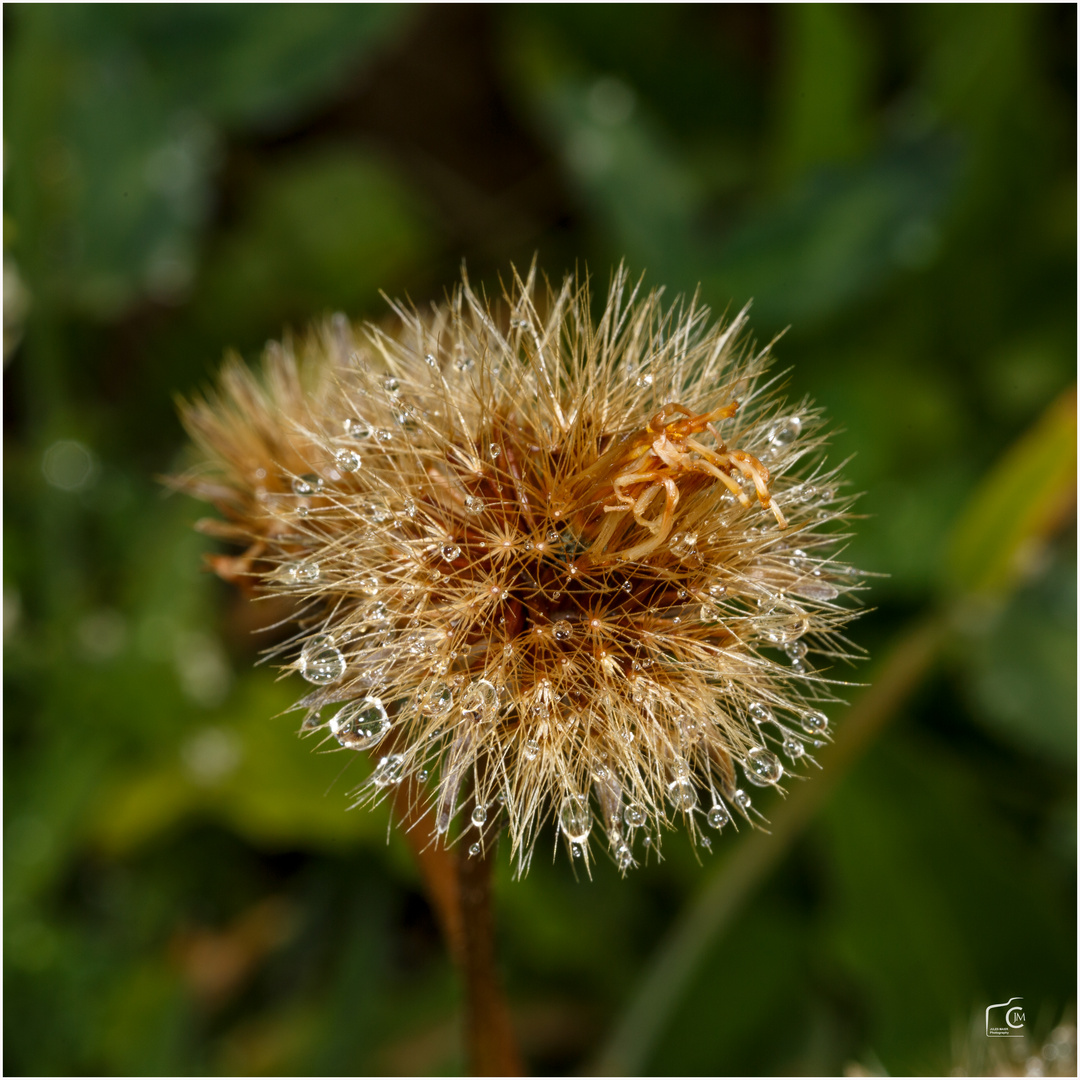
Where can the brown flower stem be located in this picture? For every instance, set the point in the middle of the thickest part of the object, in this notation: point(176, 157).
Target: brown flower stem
point(492, 1047)
point(437, 865)
point(712, 911)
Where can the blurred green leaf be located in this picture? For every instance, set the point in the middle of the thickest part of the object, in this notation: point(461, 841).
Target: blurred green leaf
point(1027, 493)
point(247, 769)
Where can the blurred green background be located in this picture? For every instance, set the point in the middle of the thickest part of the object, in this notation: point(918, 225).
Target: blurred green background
point(185, 891)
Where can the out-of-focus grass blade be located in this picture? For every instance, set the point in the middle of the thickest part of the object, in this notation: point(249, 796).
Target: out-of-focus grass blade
point(1020, 501)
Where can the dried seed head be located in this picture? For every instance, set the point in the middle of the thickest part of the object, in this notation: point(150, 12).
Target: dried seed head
point(585, 568)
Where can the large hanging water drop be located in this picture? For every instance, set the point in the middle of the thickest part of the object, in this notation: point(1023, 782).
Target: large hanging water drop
point(718, 815)
point(360, 724)
point(682, 793)
point(320, 662)
point(763, 767)
point(575, 820)
point(634, 815)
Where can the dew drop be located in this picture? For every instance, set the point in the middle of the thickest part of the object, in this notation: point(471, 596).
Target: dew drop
point(575, 818)
point(378, 612)
point(474, 504)
point(562, 630)
point(494, 450)
point(718, 815)
point(796, 650)
point(576, 849)
point(360, 724)
point(763, 767)
point(348, 461)
point(480, 699)
point(479, 815)
point(624, 857)
point(532, 750)
point(814, 723)
point(474, 849)
point(369, 585)
point(430, 360)
point(391, 385)
point(439, 701)
point(627, 586)
point(683, 544)
point(644, 381)
point(409, 506)
point(308, 484)
point(389, 770)
point(304, 572)
point(742, 799)
point(682, 793)
point(784, 432)
point(383, 435)
point(358, 429)
point(450, 552)
point(464, 362)
point(647, 841)
point(793, 747)
point(422, 775)
point(761, 713)
point(320, 662)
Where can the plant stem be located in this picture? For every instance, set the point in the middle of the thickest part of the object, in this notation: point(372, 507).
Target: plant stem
point(492, 1048)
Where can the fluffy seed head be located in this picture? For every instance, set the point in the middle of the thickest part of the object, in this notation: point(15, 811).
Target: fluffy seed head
point(543, 567)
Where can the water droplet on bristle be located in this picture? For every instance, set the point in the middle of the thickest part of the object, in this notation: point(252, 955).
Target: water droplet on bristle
point(391, 385)
point(389, 770)
point(348, 461)
point(320, 662)
point(532, 750)
point(360, 724)
point(634, 815)
point(450, 552)
point(304, 572)
point(474, 849)
point(682, 793)
point(683, 544)
point(624, 857)
point(308, 484)
point(793, 747)
point(479, 815)
point(480, 699)
point(439, 701)
point(358, 429)
point(763, 767)
point(575, 820)
point(474, 504)
point(784, 432)
point(814, 723)
point(796, 650)
point(761, 713)
point(562, 630)
point(718, 815)
point(742, 799)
